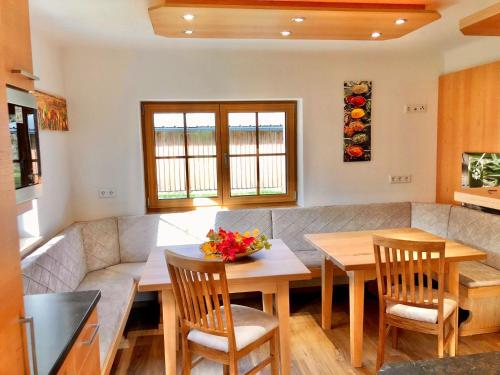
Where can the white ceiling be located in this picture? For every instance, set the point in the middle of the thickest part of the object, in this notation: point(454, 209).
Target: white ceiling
point(126, 23)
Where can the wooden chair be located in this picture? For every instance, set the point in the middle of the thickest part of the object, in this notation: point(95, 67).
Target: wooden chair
point(210, 326)
point(404, 300)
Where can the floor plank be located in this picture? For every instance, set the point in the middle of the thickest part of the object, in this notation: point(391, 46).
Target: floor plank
point(314, 351)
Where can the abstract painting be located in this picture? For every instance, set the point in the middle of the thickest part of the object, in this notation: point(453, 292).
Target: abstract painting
point(357, 121)
point(52, 112)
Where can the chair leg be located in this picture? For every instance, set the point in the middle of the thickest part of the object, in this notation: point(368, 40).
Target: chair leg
point(274, 345)
point(441, 342)
point(454, 326)
point(186, 357)
point(225, 369)
point(394, 331)
point(381, 342)
point(233, 366)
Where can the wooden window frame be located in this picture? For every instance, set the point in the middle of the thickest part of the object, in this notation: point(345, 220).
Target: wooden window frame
point(224, 198)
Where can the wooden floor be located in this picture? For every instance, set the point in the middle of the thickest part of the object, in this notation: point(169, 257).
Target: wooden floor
point(314, 351)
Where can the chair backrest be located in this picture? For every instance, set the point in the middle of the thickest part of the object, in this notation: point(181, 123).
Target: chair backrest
point(200, 290)
point(401, 267)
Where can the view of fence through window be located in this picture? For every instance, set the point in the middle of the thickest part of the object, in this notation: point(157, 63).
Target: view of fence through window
point(186, 154)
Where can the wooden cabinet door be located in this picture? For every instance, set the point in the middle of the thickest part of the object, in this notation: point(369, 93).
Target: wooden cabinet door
point(12, 344)
point(15, 38)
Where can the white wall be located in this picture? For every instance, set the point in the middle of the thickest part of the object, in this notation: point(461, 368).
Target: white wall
point(479, 51)
point(104, 88)
point(54, 206)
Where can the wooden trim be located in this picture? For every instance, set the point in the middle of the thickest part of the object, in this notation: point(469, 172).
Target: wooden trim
point(110, 357)
point(485, 22)
point(480, 197)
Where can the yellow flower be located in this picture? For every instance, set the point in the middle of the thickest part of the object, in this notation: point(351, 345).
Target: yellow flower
point(357, 113)
point(208, 248)
point(247, 234)
point(256, 232)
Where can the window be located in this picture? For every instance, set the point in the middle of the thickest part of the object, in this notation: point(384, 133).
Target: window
point(219, 153)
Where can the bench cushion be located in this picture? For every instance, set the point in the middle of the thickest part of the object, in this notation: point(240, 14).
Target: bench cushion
point(477, 274)
point(431, 217)
point(116, 289)
point(100, 242)
point(133, 270)
point(245, 220)
point(477, 229)
point(290, 224)
point(58, 266)
point(419, 313)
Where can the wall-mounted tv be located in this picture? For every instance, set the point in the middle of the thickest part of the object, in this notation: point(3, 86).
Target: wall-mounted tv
point(480, 169)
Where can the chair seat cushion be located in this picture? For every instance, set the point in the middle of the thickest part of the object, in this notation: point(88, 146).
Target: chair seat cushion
point(420, 313)
point(133, 270)
point(249, 326)
point(477, 274)
point(116, 289)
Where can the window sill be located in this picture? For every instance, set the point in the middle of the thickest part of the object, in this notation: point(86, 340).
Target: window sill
point(224, 207)
point(28, 244)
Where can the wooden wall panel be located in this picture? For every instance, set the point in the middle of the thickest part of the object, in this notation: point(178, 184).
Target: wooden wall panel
point(468, 121)
point(12, 358)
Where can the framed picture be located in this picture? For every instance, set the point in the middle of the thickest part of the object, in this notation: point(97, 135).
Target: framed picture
point(480, 169)
point(357, 121)
point(52, 112)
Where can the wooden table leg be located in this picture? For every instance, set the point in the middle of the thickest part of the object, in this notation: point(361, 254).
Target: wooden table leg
point(169, 331)
point(283, 310)
point(326, 293)
point(267, 303)
point(454, 290)
point(356, 307)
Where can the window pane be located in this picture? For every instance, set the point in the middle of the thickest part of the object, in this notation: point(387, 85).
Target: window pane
point(243, 171)
point(272, 171)
point(17, 175)
point(272, 132)
point(242, 133)
point(201, 134)
point(169, 134)
point(13, 140)
point(35, 176)
point(202, 177)
point(171, 178)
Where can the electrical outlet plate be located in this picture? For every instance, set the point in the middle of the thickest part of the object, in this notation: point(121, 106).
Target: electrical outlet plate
point(107, 193)
point(416, 108)
point(406, 179)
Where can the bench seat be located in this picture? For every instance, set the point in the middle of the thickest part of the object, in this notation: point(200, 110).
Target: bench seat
point(477, 275)
point(133, 270)
point(113, 308)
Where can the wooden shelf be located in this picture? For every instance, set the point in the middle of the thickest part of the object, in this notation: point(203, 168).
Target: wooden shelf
point(480, 197)
point(485, 22)
point(324, 20)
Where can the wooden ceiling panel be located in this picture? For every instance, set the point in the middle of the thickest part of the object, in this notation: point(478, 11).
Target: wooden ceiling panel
point(258, 23)
point(485, 22)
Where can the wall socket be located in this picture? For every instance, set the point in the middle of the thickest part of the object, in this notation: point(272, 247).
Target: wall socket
point(416, 108)
point(107, 193)
point(400, 179)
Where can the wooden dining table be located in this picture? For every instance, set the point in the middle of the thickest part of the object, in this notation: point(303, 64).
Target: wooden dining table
point(353, 253)
point(268, 272)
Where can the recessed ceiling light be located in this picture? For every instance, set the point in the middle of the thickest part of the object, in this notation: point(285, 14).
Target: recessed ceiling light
point(298, 19)
point(400, 21)
point(188, 32)
point(286, 33)
point(188, 17)
point(376, 34)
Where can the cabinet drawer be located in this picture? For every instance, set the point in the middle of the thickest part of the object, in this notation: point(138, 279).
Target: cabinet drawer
point(87, 341)
point(92, 364)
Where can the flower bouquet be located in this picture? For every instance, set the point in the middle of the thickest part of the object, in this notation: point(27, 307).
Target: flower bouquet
point(232, 245)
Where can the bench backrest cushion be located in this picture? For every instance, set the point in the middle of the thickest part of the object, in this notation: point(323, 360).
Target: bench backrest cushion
point(290, 224)
point(245, 220)
point(100, 242)
point(477, 229)
point(431, 217)
point(58, 266)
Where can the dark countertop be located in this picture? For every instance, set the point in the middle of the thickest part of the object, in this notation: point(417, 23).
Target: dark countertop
point(58, 319)
point(476, 364)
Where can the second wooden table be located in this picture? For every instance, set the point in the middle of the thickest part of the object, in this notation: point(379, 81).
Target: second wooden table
point(352, 252)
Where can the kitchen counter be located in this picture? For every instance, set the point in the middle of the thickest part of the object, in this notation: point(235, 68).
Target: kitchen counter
point(476, 364)
point(58, 319)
